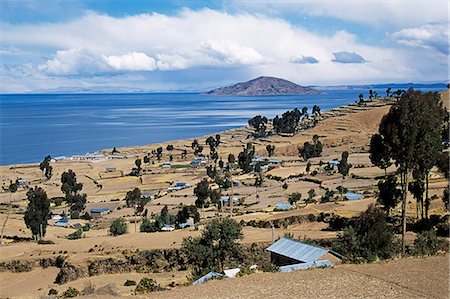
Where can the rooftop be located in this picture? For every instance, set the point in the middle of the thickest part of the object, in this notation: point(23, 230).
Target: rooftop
point(296, 250)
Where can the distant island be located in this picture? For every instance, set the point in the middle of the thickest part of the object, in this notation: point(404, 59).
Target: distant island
point(263, 86)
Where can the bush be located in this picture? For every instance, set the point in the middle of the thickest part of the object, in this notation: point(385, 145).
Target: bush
point(71, 292)
point(118, 227)
point(369, 239)
point(146, 285)
point(426, 243)
point(245, 271)
point(45, 242)
point(149, 227)
point(52, 292)
point(129, 282)
point(75, 235)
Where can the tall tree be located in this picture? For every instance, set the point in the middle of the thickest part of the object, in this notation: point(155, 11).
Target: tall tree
point(71, 188)
point(202, 191)
point(37, 212)
point(379, 153)
point(216, 245)
point(406, 130)
point(389, 195)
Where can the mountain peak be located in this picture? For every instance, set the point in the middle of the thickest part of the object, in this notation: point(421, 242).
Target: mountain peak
point(263, 85)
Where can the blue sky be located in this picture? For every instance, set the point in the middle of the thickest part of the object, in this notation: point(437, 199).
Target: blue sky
point(196, 45)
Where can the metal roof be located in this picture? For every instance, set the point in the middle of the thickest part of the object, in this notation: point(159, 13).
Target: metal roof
point(353, 196)
point(207, 277)
point(99, 210)
point(283, 206)
point(296, 250)
point(304, 266)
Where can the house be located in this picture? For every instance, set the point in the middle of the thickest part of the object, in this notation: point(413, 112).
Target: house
point(209, 276)
point(167, 228)
point(291, 255)
point(353, 196)
point(275, 161)
point(23, 183)
point(57, 217)
point(59, 159)
point(280, 206)
point(333, 165)
point(166, 165)
point(111, 168)
point(64, 222)
point(146, 195)
point(226, 199)
point(198, 161)
point(231, 273)
point(179, 186)
point(96, 213)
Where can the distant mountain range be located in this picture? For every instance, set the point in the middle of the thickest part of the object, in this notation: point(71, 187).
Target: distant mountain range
point(385, 86)
point(263, 86)
point(258, 86)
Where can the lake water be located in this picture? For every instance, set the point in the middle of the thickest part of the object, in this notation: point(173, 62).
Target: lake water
point(33, 126)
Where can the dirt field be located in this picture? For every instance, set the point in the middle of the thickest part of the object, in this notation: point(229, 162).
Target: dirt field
point(406, 278)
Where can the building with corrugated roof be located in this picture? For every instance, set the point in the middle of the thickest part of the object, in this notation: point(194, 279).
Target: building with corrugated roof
point(294, 255)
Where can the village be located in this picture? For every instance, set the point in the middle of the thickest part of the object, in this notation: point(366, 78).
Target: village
point(288, 207)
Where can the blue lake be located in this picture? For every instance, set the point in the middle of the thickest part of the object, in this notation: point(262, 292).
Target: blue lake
point(33, 126)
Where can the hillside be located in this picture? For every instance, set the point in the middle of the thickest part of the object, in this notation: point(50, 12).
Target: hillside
point(263, 86)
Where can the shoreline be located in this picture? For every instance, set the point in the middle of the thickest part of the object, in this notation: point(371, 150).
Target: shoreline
point(132, 151)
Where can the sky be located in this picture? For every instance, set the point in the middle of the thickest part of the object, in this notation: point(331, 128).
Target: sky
point(174, 45)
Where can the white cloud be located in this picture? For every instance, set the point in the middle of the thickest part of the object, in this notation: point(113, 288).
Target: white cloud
point(232, 53)
point(244, 45)
point(73, 62)
point(381, 13)
point(303, 59)
point(133, 61)
point(347, 57)
point(430, 36)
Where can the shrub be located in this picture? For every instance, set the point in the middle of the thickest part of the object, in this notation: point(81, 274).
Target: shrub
point(118, 227)
point(52, 292)
point(45, 242)
point(245, 271)
point(75, 235)
point(149, 227)
point(146, 285)
point(426, 243)
point(129, 282)
point(71, 292)
point(370, 238)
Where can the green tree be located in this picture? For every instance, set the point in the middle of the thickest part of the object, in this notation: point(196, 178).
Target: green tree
point(159, 151)
point(409, 130)
point(134, 199)
point(37, 212)
point(69, 183)
point(294, 197)
point(379, 153)
point(389, 195)
point(259, 124)
point(214, 247)
point(245, 158)
point(344, 166)
point(202, 191)
point(311, 195)
point(118, 227)
point(370, 238)
point(270, 150)
point(46, 167)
